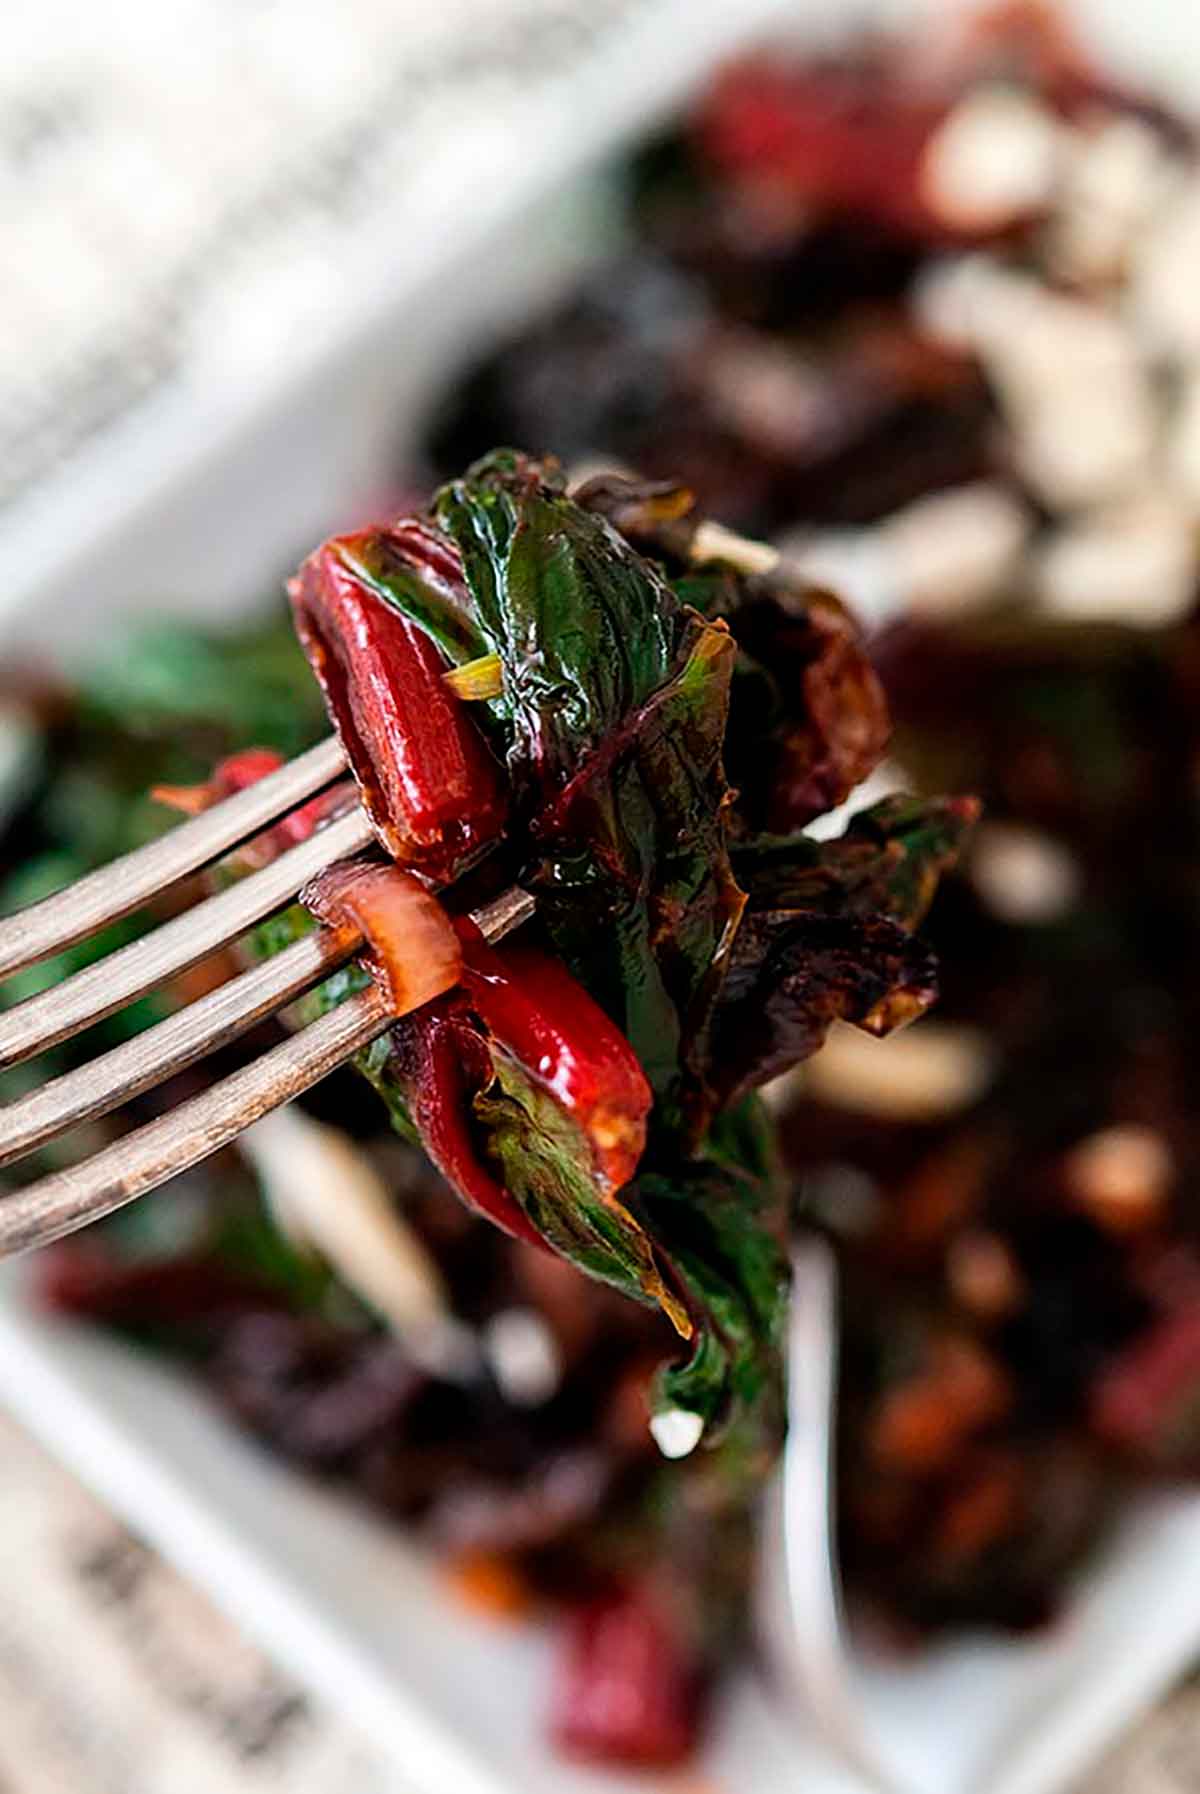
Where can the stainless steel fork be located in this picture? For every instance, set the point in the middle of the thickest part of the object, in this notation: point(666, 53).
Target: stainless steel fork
point(148, 1156)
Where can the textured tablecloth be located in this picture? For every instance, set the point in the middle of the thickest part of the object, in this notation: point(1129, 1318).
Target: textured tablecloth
point(117, 1677)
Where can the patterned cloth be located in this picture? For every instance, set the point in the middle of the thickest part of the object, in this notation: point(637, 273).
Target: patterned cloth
point(117, 1677)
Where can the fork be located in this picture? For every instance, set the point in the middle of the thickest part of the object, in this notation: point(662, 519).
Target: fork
point(69, 1199)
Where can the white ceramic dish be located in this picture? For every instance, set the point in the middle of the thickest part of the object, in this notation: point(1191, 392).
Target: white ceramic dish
point(345, 1604)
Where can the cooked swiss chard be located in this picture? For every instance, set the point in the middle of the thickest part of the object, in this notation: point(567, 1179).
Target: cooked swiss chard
point(574, 1088)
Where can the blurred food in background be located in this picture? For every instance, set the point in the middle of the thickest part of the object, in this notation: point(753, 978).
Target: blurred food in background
point(924, 311)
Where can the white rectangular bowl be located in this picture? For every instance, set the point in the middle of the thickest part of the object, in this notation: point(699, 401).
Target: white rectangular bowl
point(344, 1603)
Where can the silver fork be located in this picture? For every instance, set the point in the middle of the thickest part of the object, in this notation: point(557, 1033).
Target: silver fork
point(147, 1157)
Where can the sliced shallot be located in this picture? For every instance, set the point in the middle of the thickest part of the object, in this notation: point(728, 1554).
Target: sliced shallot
point(415, 954)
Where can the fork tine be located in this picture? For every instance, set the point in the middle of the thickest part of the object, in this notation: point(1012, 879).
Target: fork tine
point(59, 1204)
point(115, 980)
point(70, 1199)
point(171, 1045)
point(115, 890)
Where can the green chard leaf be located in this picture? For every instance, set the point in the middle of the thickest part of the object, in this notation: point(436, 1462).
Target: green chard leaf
point(827, 935)
point(545, 1163)
point(632, 869)
point(722, 1232)
point(584, 628)
point(809, 719)
point(617, 700)
point(887, 863)
point(722, 954)
point(795, 973)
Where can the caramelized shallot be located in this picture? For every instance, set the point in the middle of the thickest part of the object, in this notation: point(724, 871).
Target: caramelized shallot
point(414, 953)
